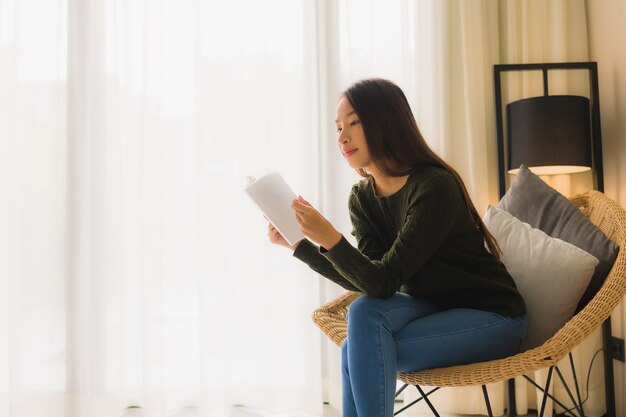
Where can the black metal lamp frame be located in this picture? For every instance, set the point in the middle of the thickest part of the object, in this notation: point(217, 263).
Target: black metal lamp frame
point(598, 179)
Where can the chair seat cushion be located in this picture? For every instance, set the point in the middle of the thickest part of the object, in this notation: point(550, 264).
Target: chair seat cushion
point(550, 273)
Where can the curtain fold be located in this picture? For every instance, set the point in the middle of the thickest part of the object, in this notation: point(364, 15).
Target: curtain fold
point(32, 205)
point(136, 273)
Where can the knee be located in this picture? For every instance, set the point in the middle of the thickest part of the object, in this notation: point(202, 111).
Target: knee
point(360, 306)
point(368, 303)
point(366, 306)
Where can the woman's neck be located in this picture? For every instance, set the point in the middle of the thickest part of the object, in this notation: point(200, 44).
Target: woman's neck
point(386, 186)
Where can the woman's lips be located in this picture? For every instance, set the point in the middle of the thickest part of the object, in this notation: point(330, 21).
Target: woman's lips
point(349, 153)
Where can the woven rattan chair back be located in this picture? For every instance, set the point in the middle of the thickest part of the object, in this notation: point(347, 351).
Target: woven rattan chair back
point(604, 213)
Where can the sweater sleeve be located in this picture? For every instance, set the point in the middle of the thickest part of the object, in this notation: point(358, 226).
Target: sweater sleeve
point(310, 254)
point(431, 213)
point(368, 242)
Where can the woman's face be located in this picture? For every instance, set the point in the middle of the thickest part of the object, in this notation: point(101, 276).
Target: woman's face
point(350, 136)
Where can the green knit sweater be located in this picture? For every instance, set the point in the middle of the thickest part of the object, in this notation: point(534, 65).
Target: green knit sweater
point(421, 240)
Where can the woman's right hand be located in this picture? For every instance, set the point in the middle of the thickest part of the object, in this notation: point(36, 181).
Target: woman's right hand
point(278, 239)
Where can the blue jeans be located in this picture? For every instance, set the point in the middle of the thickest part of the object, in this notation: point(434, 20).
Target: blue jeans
point(405, 333)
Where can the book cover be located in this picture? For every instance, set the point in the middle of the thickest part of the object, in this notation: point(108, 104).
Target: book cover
point(274, 197)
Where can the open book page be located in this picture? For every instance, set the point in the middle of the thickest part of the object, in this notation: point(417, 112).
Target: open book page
point(274, 197)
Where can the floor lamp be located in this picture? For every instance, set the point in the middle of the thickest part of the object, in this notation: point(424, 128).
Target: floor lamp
point(554, 134)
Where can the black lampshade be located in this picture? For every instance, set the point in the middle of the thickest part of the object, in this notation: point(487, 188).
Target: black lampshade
point(551, 134)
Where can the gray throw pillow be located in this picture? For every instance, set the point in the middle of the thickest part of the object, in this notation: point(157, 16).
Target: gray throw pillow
point(544, 269)
point(534, 202)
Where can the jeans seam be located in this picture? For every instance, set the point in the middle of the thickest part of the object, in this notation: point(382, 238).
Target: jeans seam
point(383, 316)
point(382, 323)
point(399, 342)
point(382, 360)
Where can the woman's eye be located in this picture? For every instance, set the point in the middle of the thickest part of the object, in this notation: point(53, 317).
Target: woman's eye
point(338, 129)
point(356, 122)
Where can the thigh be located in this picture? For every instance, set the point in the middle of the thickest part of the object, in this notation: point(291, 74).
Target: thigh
point(457, 336)
point(393, 313)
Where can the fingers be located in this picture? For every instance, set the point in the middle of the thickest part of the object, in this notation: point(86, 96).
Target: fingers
point(305, 213)
point(271, 230)
point(301, 205)
point(300, 198)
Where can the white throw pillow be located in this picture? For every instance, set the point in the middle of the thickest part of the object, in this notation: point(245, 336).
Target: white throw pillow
point(550, 274)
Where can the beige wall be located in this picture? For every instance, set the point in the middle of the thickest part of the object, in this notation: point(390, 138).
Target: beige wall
point(607, 45)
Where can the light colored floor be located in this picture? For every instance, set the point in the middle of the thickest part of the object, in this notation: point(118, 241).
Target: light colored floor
point(328, 412)
point(249, 412)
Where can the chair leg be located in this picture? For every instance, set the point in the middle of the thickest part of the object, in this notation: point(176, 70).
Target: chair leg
point(487, 403)
point(580, 401)
point(401, 389)
point(425, 397)
point(512, 407)
point(578, 406)
point(545, 392)
point(415, 401)
point(549, 395)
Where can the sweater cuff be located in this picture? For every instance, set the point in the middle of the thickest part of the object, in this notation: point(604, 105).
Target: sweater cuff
point(306, 251)
point(339, 253)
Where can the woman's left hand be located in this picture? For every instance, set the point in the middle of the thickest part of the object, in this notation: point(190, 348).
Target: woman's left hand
point(314, 225)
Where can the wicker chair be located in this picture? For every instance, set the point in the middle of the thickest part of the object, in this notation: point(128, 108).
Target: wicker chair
point(611, 219)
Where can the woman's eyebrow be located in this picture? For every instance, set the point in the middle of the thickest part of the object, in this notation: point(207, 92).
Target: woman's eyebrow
point(351, 113)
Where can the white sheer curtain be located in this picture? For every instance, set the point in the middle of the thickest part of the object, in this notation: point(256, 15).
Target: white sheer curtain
point(32, 205)
point(134, 271)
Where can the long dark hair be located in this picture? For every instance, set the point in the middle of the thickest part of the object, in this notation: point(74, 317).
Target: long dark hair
point(394, 141)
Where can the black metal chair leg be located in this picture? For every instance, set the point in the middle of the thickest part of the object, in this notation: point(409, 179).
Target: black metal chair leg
point(580, 401)
point(511, 385)
point(425, 397)
point(545, 392)
point(569, 393)
point(416, 401)
point(556, 401)
point(401, 389)
point(512, 408)
point(487, 403)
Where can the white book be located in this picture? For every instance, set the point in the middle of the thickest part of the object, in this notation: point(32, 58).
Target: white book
point(274, 197)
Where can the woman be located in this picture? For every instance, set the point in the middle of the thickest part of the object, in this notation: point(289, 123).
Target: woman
point(435, 292)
